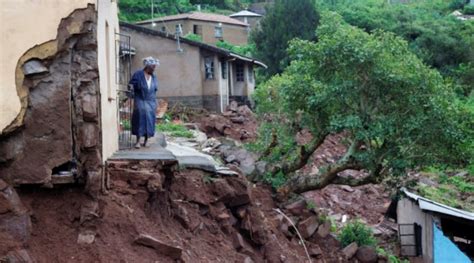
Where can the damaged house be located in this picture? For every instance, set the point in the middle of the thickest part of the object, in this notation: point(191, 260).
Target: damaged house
point(58, 109)
point(192, 73)
point(433, 232)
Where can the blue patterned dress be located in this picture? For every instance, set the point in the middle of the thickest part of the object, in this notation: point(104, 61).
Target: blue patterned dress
point(144, 109)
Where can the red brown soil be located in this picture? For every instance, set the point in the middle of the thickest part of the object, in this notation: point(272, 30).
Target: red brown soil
point(128, 210)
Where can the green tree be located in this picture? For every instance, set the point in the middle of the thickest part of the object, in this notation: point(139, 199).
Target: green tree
point(398, 112)
point(285, 20)
point(135, 10)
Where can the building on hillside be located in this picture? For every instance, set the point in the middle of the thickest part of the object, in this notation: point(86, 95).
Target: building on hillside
point(211, 27)
point(193, 73)
point(433, 232)
point(58, 109)
point(247, 17)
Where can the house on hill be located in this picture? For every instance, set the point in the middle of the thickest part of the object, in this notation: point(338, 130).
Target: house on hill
point(192, 73)
point(247, 17)
point(211, 27)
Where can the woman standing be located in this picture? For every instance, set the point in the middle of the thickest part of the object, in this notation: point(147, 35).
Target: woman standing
point(144, 86)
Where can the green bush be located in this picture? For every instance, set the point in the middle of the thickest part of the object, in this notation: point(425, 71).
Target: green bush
point(174, 130)
point(358, 232)
point(193, 37)
point(468, 10)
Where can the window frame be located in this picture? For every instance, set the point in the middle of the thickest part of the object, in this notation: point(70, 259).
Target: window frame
point(224, 69)
point(240, 72)
point(209, 70)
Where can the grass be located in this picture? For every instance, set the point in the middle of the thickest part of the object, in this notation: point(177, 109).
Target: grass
point(174, 130)
point(450, 190)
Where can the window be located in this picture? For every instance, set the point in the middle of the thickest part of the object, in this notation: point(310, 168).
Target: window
point(218, 31)
point(197, 29)
point(163, 29)
point(250, 77)
point(224, 69)
point(179, 29)
point(209, 67)
point(239, 72)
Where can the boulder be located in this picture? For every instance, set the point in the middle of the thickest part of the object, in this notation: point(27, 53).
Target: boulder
point(366, 254)
point(296, 208)
point(308, 226)
point(350, 250)
point(86, 238)
point(17, 256)
point(34, 66)
point(14, 217)
point(233, 106)
point(171, 251)
point(238, 120)
point(324, 229)
point(314, 250)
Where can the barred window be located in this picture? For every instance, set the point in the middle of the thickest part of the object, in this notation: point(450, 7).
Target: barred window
point(239, 72)
point(209, 67)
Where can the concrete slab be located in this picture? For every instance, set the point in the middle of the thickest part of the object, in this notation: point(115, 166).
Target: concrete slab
point(191, 158)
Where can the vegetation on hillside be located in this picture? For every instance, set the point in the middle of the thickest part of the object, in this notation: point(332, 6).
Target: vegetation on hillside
point(287, 19)
point(136, 10)
point(399, 113)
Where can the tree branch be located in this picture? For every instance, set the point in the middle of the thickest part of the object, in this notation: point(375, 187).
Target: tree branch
point(326, 175)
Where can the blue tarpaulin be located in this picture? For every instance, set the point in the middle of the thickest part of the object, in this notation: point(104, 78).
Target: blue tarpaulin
point(445, 251)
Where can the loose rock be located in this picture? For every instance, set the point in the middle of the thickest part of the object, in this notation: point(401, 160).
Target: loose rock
point(366, 254)
point(172, 251)
point(308, 226)
point(350, 250)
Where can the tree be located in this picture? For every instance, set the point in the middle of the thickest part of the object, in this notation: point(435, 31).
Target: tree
point(398, 112)
point(285, 20)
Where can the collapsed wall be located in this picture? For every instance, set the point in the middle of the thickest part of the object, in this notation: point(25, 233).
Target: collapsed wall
point(58, 128)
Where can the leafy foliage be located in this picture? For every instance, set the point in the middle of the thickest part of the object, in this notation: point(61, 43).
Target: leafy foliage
point(401, 111)
point(434, 35)
point(193, 37)
point(138, 10)
point(245, 50)
point(284, 21)
point(358, 232)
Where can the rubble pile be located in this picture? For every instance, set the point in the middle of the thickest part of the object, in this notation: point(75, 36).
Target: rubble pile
point(237, 122)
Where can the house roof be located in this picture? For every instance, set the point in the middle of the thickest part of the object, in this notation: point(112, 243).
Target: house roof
point(220, 51)
point(209, 17)
point(245, 13)
point(429, 205)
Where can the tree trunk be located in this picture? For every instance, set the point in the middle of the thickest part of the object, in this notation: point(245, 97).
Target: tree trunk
point(326, 175)
point(305, 154)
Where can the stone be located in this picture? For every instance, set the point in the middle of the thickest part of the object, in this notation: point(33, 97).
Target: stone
point(248, 260)
point(366, 254)
point(238, 120)
point(254, 224)
point(161, 247)
point(14, 217)
point(296, 208)
point(347, 188)
point(233, 106)
point(314, 250)
point(86, 238)
point(89, 108)
point(244, 110)
point(324, 229)
point(260, 167)
point(308, 226)
point(230, 158)
point(238, 241)
point(94, 183)
point(34, 66)
point(89, 135)
point(211, 143)
point(350, 250)
point(247, 166)
point(18, 256)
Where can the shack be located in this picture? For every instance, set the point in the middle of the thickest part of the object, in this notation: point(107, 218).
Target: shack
point(433, 232)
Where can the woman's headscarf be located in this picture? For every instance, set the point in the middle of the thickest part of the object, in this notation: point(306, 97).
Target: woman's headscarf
point(149, 61)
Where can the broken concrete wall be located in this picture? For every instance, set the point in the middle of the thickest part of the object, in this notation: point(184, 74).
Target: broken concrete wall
point(57, 82)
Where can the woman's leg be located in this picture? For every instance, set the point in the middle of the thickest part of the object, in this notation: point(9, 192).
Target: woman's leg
point(137, 144)
point(146, 140)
